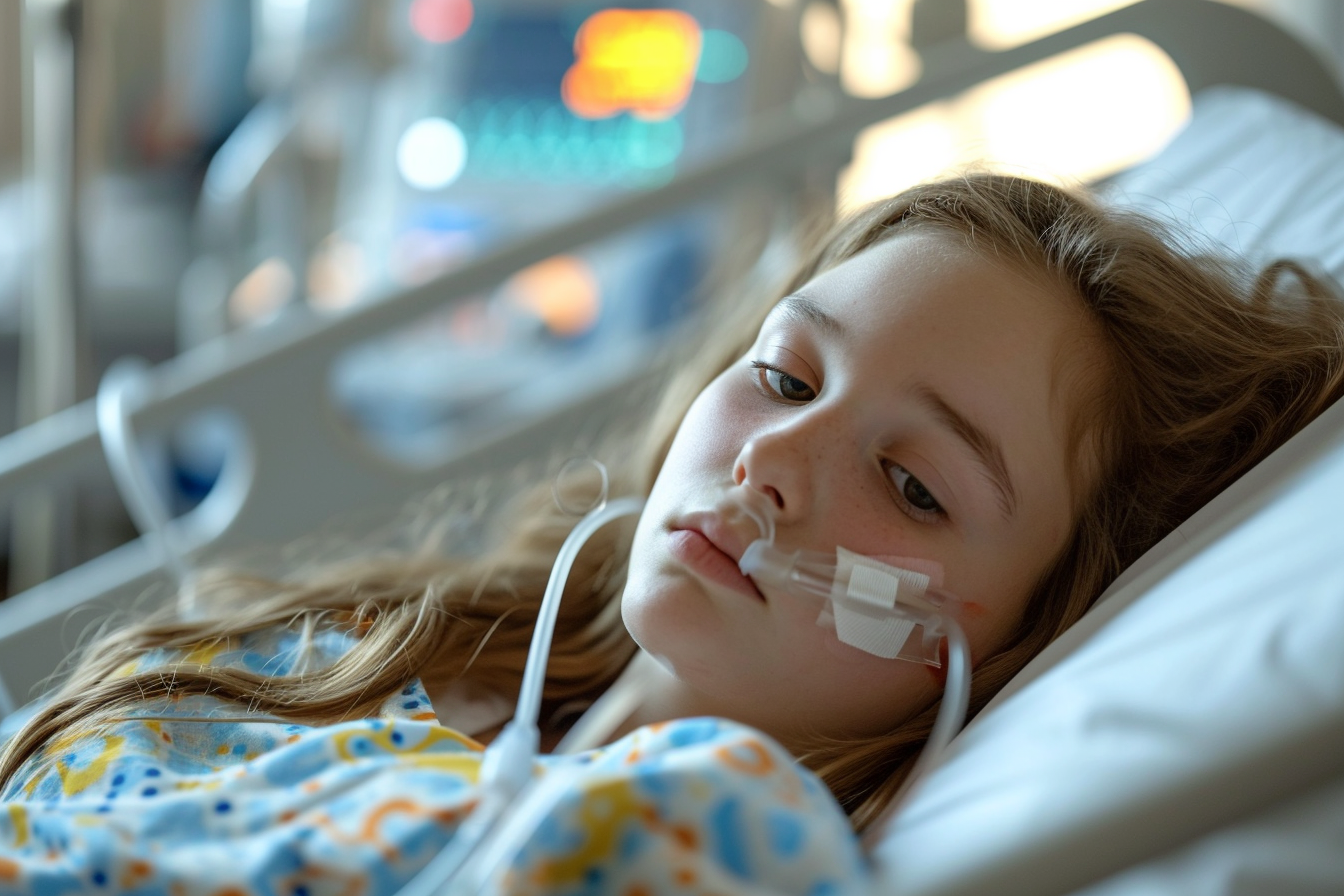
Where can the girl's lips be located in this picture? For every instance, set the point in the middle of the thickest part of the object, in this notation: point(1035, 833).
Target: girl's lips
point(704, 558)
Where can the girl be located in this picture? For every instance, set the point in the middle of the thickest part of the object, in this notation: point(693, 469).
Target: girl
point(987, 373)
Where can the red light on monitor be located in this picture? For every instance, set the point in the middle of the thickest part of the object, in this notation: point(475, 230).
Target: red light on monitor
point(440, 21)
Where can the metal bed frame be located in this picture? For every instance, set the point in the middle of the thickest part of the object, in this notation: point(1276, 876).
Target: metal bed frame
point(276, 380)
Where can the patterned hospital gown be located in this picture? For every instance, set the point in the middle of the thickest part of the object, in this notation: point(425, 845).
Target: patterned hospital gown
point(164, 803)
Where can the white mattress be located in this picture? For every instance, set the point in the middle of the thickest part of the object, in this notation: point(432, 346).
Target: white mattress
point(1293, 849)
point(1188, 736)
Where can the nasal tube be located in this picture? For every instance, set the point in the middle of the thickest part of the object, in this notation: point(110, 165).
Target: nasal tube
point(874, 605)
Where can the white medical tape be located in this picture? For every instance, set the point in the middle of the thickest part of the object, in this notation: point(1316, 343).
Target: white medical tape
point(863, 599)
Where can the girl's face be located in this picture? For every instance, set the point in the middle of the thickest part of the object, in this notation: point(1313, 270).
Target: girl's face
point(912, 402)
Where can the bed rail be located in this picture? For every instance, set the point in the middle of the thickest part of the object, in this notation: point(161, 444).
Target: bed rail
point(275, 380)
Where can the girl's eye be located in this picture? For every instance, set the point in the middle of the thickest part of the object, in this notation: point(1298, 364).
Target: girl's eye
point(913, 493)
point(787, 387)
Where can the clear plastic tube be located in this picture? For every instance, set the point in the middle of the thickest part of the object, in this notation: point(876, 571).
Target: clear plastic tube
point(814, 575)
point(949, 722)
point(539, 651)
point(506, 769)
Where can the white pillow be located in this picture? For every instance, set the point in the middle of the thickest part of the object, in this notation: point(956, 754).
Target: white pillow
point(1213, 695)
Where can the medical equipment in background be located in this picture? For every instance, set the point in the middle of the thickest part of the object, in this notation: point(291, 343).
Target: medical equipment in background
point(50, 349)
point(94, 235)
point(477, 124)
point(310, 188)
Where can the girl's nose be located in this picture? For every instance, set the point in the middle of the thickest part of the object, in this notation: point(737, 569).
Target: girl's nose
point(779, 465)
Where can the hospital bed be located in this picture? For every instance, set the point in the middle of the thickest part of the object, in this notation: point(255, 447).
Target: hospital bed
point(1187, 736)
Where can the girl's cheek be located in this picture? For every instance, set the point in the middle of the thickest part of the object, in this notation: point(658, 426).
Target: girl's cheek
point(733, 424)
point(733, 417)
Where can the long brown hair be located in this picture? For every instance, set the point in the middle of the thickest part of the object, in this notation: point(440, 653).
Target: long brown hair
point(1210, 367)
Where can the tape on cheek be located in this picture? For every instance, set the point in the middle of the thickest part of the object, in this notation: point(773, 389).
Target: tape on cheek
point(863, 597)
point(931, 568)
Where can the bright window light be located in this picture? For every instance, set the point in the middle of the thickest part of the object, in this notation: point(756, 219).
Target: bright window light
point(877, 59)
point(431, 154)
point(820, 32)
point(999, 24)
point(893, 155)
point(1079, 116)
point(1083, 114)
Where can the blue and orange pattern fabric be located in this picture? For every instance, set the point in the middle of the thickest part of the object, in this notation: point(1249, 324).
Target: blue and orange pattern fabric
point(195, 797)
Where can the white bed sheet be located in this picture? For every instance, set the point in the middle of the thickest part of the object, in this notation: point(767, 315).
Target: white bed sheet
point(1187, 737)
point(1294, 849)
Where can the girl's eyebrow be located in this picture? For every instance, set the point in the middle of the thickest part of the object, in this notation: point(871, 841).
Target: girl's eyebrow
point(801, 309)
point(982, 445)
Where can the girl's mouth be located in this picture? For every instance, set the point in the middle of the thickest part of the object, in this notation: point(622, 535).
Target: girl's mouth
point(706, 559)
